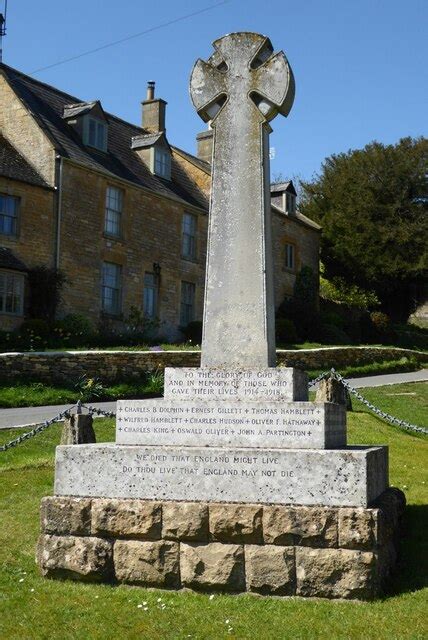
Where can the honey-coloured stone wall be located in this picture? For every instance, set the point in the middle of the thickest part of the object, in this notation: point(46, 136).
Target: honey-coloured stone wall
point(271, 550)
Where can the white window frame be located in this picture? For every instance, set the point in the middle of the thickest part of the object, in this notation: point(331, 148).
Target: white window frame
point(11, 284)
point(150, 295)
point(290, 203)
point(290, 256)
point(187, 303)
point(111, 288)
point(113, 211)
point(98, 140)
point(162, 162)
point(188, 236)
point(9, 217)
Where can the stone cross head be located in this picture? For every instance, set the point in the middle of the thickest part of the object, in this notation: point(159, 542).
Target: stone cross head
point(243, 73)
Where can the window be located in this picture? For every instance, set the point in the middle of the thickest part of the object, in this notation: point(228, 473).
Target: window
point(187, 308)
point(188, 239)
point(290, 202)
point(9, 215)
point(150, 295)
point(111, 288)
point(95, 133)
point(162, 163)
point(113, 219)
point(289, 256)
point(11, 293)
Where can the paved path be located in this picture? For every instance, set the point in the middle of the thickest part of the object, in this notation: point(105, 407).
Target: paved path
point(24, 417)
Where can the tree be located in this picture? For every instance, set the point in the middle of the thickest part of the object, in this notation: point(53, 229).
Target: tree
point(372, 204)
point(45, 286)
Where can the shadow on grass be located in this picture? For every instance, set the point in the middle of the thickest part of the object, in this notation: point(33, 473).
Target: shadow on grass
point(411, 572)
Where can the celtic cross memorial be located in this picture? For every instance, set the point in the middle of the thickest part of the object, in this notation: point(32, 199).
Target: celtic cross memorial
point(241, 87)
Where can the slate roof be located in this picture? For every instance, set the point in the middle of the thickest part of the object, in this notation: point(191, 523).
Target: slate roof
point(47, 105)
point(146, 140)
point(9, 261)
point(276, 187)
point(13, 165)
point(78, 109)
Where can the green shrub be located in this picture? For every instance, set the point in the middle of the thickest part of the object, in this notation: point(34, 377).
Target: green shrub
point(34, 327)
point(193, 332)
point(330, 334)
point(285, 331)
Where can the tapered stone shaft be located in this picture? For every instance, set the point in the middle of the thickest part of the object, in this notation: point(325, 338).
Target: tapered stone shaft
point(241, 87)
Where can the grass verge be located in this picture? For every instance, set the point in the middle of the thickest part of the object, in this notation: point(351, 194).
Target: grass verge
point(33, 608)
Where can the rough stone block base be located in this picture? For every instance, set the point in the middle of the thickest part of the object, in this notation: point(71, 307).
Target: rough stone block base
point(331, 552)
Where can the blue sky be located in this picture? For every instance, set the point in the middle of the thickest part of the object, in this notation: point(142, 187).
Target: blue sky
point(360, 65)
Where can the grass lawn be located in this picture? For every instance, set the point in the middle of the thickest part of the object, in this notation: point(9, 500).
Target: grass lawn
point(33, 608)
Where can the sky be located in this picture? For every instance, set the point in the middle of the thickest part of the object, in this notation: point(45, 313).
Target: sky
point(360, 65)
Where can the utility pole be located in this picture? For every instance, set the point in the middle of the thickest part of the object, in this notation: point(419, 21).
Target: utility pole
point(2, 26)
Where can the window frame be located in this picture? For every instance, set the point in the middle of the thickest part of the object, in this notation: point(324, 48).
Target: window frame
point(289, 254)
point(108, 287)
point(290, 203)
point(185, 305)
point(154, 290)
point(162, 167)
point(187, 237)
point(16, 276)
point(15, 218)
point(100, 144)
point(118, 212)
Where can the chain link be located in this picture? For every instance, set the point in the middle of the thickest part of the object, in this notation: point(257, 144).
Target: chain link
point(37, 429)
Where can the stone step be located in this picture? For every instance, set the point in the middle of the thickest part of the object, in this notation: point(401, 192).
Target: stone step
point(353, 476)
point(282, 384)
point(242, 423)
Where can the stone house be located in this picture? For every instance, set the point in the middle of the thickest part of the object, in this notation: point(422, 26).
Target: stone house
point(116, 207)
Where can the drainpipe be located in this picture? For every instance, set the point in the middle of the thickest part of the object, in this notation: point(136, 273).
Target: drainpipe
point(58, 189)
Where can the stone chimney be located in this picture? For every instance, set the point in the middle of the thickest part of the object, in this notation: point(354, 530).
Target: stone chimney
point(205, 145)
point(153, 112)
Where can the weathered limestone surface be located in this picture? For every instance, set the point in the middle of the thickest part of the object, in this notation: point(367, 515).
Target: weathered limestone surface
point(314, 527)
point(283, 384)
point(358, 528)
point(336, 573)
point(244, 423)
point(342, 477)
point(236, 523)
point(130, 518)
point(154, 564)
point(270, 569)
point(78, 558)
point(185, 521)
point(62, 516)
point(213, 566)
point(78, 429)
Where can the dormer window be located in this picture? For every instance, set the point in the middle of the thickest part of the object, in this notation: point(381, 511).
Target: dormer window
point(95, 133)
point(162, 162)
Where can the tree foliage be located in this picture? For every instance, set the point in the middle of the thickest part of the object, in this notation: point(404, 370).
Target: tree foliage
point(372, 204)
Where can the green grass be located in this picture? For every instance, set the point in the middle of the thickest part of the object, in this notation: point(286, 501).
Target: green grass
point(68, 611)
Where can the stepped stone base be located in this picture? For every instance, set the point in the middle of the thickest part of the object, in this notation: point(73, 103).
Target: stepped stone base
point(332, 552)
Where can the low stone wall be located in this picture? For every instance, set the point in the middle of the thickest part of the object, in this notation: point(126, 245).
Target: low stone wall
point(63, 366)
point(266, 549)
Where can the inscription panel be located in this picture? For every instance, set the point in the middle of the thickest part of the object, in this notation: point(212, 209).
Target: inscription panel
point(344, 477)
point(225, 384)
point(300, 425)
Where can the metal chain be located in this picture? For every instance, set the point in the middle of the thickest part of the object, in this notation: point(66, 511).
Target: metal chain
point(37, 429)
point(110, 414)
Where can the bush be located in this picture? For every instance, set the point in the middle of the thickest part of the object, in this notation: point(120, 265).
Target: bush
point(34, 327)
point(330, 334)
point(285, 331)
point(193, 332)
point(74, 329)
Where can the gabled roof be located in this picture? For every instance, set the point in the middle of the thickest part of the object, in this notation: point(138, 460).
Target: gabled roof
point(47, 105)
point(280, 187)
point(13, 165)
point(9, 261)
point(145, 140)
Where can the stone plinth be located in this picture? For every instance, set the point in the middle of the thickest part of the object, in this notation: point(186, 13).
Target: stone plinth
point(333, 552)
point(352, 476)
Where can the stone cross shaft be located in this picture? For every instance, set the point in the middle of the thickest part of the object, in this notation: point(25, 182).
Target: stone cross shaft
point(239, 89)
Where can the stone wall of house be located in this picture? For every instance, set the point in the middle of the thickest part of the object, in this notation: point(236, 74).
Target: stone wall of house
point(330, 552)
point(18, 125)
point(151, 233)
point(34, 242)
point(306, 241)
point(112, 365)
